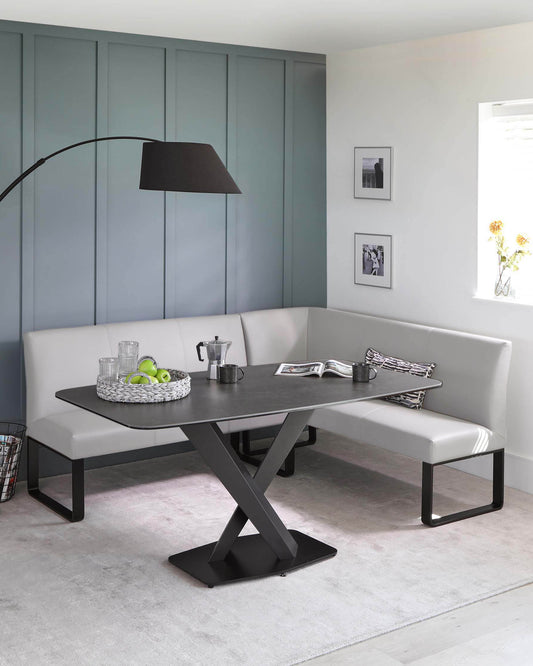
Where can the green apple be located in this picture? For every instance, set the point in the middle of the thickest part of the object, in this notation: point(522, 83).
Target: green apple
point(163, 376)
point(135, 378)
point(148, 367)
point(147, 380)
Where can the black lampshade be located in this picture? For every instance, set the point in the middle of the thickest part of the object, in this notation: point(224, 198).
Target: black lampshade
point(184, 167)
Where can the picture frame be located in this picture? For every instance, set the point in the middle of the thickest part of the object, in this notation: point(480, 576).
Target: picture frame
point(373, 260)
point(372, 173)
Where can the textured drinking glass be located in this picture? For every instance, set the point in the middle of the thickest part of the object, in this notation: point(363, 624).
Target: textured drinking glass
point(108, 368)
point(128, 355)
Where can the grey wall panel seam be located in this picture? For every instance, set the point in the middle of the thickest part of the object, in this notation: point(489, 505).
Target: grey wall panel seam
point(21, 368)
point(165, 195)
point(96, 106)
point(226, 202)
point(231, 202)
point(169, 285)
point(287, 189)
point(102, 129)
point(28, 189)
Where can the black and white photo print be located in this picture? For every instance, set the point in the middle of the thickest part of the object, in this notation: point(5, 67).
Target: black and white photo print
point(373, 259)
point(372, 173)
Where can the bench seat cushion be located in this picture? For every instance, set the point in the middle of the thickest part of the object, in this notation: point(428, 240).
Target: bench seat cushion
point(422, 434)
point(80, 434)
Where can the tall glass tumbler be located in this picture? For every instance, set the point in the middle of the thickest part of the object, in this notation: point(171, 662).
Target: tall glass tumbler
point(128, 356)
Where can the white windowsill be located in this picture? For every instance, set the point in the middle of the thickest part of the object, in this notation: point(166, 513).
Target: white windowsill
point(507, 300)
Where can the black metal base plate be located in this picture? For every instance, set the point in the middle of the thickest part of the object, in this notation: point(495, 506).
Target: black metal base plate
point(250, 557)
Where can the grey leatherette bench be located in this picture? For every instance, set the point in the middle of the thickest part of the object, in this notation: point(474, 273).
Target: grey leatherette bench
point(463, 419)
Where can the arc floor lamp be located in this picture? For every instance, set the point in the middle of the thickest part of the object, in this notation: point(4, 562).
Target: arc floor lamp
point(172, 166)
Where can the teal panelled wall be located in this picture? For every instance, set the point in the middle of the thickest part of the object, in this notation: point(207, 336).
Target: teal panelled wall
point(198, 222)
point(308, 189)
point(135, 229)
point(255, 255)
point(81, 244)
point(64, 192)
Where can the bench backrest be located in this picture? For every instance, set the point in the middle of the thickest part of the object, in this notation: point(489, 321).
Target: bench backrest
point(273, 336)
point(473, 368)
point(68, 357)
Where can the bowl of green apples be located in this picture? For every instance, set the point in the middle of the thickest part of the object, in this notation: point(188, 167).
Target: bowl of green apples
point(148, 373)
point(149, 383)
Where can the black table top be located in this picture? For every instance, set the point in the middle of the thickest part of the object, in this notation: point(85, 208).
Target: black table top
point(260, 393)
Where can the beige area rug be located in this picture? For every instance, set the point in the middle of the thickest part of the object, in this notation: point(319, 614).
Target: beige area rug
point(102, 592)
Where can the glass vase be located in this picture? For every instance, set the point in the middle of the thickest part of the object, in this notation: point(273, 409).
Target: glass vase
point(503, 286)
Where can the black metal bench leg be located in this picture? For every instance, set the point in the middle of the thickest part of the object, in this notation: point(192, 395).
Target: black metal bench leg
point(245, 436)
point(497, 491)
point(288, 465)
point(78, 486)
point(256, 457)
point(235, 440)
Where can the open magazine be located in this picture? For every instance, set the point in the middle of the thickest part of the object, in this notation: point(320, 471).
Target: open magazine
point(315, 368)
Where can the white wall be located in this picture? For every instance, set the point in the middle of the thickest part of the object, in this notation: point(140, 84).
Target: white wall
point(422, 99)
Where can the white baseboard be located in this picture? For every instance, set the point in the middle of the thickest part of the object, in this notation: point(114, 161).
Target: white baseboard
point(518, 470)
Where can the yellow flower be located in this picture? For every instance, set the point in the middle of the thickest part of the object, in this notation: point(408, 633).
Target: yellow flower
point(496, 227)
point(522, 240)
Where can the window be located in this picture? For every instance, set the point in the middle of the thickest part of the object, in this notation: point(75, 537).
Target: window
point(505, 191)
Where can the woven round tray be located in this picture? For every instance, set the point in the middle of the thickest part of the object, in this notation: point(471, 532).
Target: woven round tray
point(178, 387)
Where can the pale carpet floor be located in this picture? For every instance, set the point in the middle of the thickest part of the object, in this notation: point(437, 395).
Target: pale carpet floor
point(496, 631)
point(493, 632)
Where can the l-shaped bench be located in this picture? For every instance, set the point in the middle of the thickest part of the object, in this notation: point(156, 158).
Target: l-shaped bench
point(464, 418)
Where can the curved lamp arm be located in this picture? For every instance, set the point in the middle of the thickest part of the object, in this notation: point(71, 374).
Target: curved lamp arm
point(41, 161)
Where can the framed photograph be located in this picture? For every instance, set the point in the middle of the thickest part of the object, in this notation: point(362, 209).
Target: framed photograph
point(373, 260)
point(372, 173)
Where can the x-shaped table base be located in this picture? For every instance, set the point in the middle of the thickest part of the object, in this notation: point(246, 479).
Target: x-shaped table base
point(275, 550)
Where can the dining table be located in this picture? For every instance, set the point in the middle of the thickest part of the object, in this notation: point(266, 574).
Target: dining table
point(274, 549)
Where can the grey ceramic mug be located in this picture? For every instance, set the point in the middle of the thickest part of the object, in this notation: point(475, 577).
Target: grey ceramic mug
point(229, 373)
point(362, 372)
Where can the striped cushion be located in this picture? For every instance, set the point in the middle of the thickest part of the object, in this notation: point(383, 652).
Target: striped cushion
point(413, 399)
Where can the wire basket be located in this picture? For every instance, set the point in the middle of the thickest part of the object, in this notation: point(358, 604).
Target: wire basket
point(11, 440)
point(177, 388)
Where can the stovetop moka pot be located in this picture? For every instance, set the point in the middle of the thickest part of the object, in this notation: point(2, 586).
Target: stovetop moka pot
point(216, 354)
